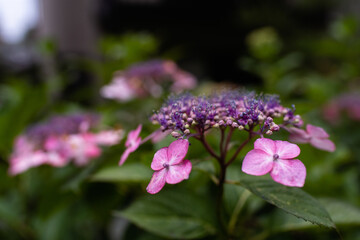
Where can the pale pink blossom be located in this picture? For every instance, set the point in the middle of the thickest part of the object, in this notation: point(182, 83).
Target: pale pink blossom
point(60, 140)
point(169, 166)
point(119, 89)
point(23, 162)
point(316, 136)
point(159, 136)
point(183, 80)
point(345, 104)
point(149, 78)
point(109, 137)
point(276, 158)
point(81, 148)
point(26, 156)
point(132, 143)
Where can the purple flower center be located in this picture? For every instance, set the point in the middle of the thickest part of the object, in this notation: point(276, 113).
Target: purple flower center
point(165, 165)
point(275, 157)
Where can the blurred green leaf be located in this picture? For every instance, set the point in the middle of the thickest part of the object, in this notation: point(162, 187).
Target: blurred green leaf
point(292, 200)
point(342, 214)
point(173, 214)
point(132, 172)
point(264, 43)
point(25, 104)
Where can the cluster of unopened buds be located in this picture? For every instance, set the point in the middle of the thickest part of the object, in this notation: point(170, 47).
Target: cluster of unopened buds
point(60, 140)
point(191, 117)
point(148, 79)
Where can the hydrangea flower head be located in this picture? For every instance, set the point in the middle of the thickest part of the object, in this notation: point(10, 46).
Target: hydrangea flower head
point(234, 109)
point(314, 135)
point(169, 166)
point(276, 158)
point(132, 143)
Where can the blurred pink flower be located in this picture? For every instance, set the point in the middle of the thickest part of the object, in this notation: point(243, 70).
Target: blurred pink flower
point(132, 143)
point(276, 158)
point(59, 141)
point(81, 148)
point(316, 136)
point(118, 89)
point(159, 135)
point(109, 137)
point(347, 103)
point(149, 78)
point(169, 166)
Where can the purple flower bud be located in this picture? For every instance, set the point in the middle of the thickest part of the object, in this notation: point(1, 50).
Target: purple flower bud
point(175, 134)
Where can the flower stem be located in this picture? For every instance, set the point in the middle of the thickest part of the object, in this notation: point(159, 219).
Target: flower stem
point(239, 149)
point(239, 205)
point(227, 142)
point(222, 177)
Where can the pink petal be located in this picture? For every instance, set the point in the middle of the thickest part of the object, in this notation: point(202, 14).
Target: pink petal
point(298, 135)
point(178, 172)
point(316, 132)
point(135, 145)
point(56, 160)
point(133, 136)
point(160, 158)
point(129, 150)
point(257, 162)
point(92, 151)
point(266, 145)
point(52, 143)
point(22, 163)
point(22, 145)
point(109, 138)
point(124, 156)
point(157, 181)
point(289, 172)
point(177, 151)
point(286, 150)
point(159, 135)
point(118, 89)
point(323, 144)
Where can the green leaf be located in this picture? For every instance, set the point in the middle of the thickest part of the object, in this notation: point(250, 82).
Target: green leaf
point(342, 214)
point(132, 172)
point(173, 214)
point(292, 200)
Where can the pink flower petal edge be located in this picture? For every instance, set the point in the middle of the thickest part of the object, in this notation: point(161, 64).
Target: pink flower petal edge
point(290, 173)
point(160, 158)
point(286, 150)
point(179, 172)
point(132, 143)
point(157, 181)
point(177, 151)
point(257, 162)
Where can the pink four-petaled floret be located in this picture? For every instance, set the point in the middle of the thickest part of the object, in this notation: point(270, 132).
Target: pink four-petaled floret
point(316, 136)
point(276, 158)
point(169, 166)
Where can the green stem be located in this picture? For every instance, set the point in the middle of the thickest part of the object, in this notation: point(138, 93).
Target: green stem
point(240, 148)
point(220, 193)
point(226, 148)
point(239, 205)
